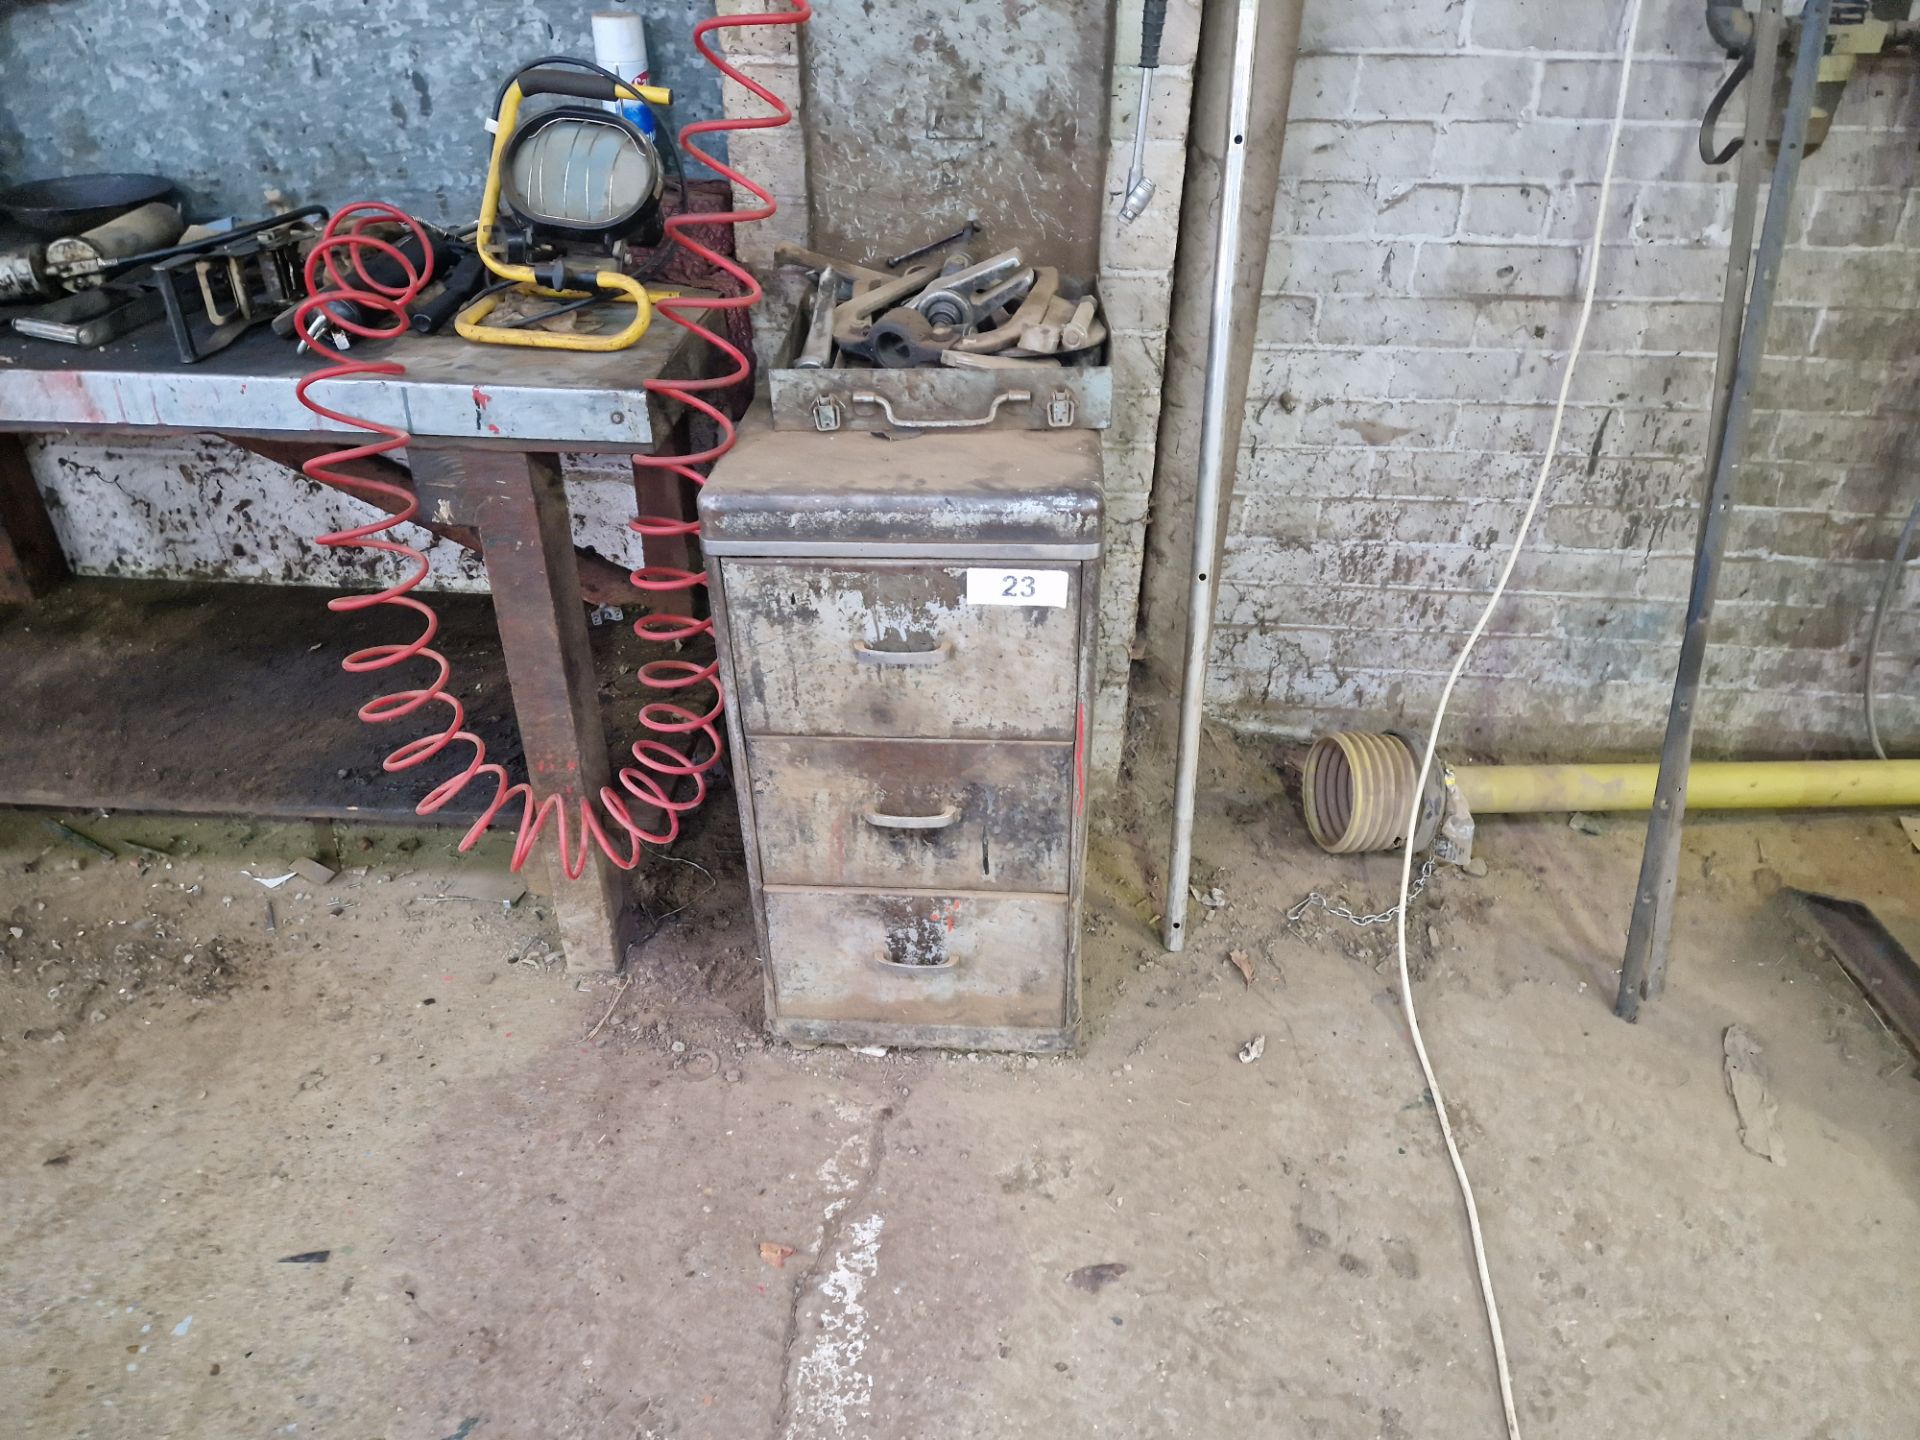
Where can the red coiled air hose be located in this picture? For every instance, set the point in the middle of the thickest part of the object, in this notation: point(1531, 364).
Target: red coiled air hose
point(662, 716)
point(341, 253)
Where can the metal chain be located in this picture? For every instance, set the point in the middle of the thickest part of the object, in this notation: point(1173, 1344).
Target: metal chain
point(1341, 912)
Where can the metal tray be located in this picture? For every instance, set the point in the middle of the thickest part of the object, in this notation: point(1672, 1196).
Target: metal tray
point(1074, 397)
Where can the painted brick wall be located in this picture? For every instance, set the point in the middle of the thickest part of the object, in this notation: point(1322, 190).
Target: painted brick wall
point(1436, 197)
point(1136, 286)
point(769, 56)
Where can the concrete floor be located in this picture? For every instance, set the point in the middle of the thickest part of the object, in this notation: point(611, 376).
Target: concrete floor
point(536, 1233)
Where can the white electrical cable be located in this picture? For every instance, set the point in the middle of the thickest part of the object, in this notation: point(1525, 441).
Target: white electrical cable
point(1440, 715)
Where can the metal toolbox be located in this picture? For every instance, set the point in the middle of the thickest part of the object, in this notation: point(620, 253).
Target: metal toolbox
point(906, 638)
point(1067, 397)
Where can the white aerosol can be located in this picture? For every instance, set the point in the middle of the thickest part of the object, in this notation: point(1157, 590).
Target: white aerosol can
point(620, 45)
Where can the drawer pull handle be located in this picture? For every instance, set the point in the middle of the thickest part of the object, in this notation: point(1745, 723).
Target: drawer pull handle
point(885, 821)
point(866, 655)
point(868, 397)
point(896, 967)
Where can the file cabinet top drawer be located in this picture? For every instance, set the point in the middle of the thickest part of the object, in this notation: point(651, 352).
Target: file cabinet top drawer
point(899, 649)
point(989, 494)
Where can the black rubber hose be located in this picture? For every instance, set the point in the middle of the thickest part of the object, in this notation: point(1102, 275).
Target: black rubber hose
point(669, 150)
point(1710, 121)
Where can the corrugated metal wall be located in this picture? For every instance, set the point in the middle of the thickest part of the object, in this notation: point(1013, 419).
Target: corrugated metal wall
point(325, 100)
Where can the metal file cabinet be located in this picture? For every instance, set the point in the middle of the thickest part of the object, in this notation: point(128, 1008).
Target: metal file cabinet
point(905, 631)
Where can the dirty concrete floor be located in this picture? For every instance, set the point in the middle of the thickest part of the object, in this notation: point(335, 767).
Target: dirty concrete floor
point(536, 1230)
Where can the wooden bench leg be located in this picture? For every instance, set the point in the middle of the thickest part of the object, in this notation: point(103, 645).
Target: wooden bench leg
point(31, 560)
point(527, 535)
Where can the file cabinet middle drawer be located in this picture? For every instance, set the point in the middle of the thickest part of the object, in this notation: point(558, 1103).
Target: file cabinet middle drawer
point(913, 814)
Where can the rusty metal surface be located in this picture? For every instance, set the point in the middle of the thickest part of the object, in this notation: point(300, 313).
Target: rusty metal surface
point(1014, 1039)
point(998, 493)
point(1065, 397)
point(1879, 964)
point(202, 507)
point(919, 959)
point(825, 400)
point(892, 649)
point(924, 113)
point(737, 747)
point(827, 812)
point(293, 454)
point(526, 533)
point(437, 482)
point(856, 679)
point(453, 392)
point(31, 560)
point(197, 699)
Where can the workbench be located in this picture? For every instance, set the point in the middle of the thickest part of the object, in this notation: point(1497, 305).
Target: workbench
point(487, 424)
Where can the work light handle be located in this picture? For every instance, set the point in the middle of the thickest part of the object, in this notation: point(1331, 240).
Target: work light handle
point(584, 85)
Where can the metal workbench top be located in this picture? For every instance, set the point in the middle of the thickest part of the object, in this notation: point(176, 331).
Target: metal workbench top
point(454, 391)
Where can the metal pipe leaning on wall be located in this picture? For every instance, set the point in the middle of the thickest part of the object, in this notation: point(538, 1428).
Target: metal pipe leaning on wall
point(1241, 94)
point(1357, 788)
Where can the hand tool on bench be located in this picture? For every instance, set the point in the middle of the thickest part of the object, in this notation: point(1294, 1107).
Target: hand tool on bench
point(800, 258)
point(966, 298)
point(1078, 332)
point(853, 319)
point(959, 237)
point(966, 360)
point(903, 338)
point(1033, 310)
point(817, 353)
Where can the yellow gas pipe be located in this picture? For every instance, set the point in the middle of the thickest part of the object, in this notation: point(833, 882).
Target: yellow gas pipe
point(1711, 785)
point(1357, 788)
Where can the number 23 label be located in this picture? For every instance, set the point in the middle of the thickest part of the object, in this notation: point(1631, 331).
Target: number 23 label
point(1017, 587)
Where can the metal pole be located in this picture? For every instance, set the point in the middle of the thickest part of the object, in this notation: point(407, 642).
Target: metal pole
point(1643, 968)
point(1746, 205)
point(1212, 469)
point(1763, 65)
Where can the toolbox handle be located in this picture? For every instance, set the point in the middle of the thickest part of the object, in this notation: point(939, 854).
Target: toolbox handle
point(885, 821)
point(866, 655)
point(869, 397)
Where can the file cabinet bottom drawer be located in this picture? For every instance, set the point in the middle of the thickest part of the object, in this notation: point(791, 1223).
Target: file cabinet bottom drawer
point(964, 969)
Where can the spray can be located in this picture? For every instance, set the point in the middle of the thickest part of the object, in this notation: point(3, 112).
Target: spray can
point(620, 45)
